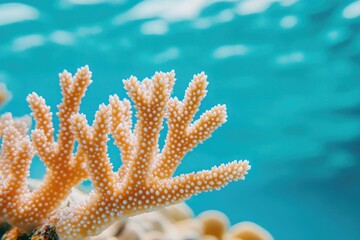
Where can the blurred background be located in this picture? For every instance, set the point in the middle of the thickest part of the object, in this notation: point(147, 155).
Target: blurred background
point(288, 71)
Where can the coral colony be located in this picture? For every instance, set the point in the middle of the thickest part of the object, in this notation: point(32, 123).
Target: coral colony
point(144, 181)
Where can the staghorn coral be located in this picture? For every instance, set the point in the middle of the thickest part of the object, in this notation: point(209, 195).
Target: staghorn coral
point(21, 207)
point(143, 183)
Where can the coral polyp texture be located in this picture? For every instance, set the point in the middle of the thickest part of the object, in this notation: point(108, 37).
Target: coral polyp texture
point(144, 181)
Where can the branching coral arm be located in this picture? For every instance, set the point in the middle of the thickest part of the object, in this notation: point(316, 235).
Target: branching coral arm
point(194, 94)
point(28, 210)
point(93, 140)
point(18, 128)
point(17, 181)
point(19, 170)
point(11, 137)
point(121, 131)
point(42, 115)
point(182, 137)
point(150, 97)
point(73, 91)
point(150, 100)
point(166, 192)
point(184, 186)
point(207, 124)
point(134, 190)
point(42, 136)
point(21, 125)
point(77, 221)
point(17, 152)
point(12, 131)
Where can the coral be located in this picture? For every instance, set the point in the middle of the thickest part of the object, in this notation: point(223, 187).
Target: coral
point(178, 222)
point(214, 223)
point(247, 231)
point(5, 95)
point(143, 183)
point(21, 207)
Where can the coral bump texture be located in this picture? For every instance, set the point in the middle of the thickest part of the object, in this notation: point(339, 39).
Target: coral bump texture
point(144, 181)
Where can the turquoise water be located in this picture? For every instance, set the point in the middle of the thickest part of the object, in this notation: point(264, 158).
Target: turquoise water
point(288, 71)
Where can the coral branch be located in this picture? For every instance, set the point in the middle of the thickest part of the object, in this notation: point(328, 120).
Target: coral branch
point(194, 94)
point(150, 100)
point(42, 115)
point(73, 91)
point(121, 131)
point(144, 181)
point(15, 157)
point(182, 136)
point(19, 170)
point(206, 180)
point(93, 140)
point(28, 210)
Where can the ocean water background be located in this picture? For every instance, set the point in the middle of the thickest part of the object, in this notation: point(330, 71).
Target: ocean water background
point(288, 71)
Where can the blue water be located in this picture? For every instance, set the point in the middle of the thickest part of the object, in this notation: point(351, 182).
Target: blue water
point(288, 71)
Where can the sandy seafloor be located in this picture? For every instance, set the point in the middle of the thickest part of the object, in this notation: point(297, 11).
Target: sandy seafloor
point(288, 71)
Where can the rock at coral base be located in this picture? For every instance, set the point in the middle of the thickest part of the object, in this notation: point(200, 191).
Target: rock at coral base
point(15, 234)
point(4, 227)
point(47, 232)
